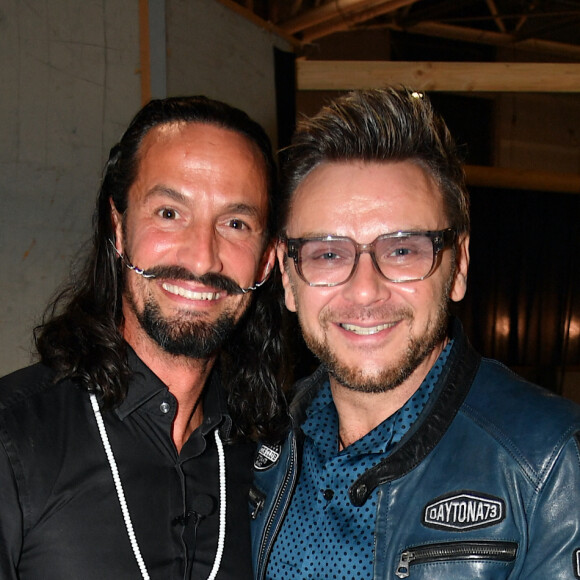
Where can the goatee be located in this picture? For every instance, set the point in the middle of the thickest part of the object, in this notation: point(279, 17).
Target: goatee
point(183, 336)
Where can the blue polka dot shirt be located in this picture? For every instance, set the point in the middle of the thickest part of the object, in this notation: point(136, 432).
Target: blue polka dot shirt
point(323, 534)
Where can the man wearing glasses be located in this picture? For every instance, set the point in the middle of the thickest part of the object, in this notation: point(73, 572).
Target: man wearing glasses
point(411, 456)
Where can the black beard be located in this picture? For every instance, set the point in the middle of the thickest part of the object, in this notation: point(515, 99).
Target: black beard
point(185, 337)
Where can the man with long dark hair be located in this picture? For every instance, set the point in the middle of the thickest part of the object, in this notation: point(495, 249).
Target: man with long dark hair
point(127, 450)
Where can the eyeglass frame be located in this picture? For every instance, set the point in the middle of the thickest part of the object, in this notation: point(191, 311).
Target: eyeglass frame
point(440, 239)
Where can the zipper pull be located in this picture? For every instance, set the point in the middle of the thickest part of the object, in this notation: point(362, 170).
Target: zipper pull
point(403, 569)
point(257, 500)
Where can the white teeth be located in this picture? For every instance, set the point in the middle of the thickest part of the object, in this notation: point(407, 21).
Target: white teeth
point(365, 330)
point(173, 289)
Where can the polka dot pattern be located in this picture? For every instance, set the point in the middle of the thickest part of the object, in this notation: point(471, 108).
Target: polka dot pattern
point(324, 535)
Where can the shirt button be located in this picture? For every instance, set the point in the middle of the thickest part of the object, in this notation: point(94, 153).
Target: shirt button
point(361, 493)
point(164, 407)
point(328, 494)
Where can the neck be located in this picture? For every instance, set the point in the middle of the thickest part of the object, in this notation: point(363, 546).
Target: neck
point(184, 377)
point(359, 413)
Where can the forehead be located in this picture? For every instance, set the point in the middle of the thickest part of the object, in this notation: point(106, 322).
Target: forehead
point(355, 197)
point(209, 142)
point(202, 162)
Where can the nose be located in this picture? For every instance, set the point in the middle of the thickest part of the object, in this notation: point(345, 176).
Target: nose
point(199, 250)
point(366, 285)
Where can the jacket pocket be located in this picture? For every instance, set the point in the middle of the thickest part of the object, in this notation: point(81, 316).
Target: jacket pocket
point(452, 551)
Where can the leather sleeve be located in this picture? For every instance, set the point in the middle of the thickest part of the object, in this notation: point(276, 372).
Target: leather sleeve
point(554, 526)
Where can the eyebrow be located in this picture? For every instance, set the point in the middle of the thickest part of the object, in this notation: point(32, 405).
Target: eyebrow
point(312, 234)
point(244, 209)
point(235, 207)
point(166, 191)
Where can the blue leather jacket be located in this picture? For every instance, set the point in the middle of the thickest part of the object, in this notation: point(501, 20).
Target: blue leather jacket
point(485, 485)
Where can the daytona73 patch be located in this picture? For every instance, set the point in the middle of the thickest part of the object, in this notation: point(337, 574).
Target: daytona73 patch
point(463, 511)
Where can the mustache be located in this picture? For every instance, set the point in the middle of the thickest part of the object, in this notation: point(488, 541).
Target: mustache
point(367, 314)
point(217, 281)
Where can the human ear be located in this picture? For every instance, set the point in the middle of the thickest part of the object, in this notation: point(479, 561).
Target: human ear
point(283, 261)
point(459, 285)
point(117, 221)
point(267, 263)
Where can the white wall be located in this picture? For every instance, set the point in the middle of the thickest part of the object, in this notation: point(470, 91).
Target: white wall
point(211, 50)
point(69, 86)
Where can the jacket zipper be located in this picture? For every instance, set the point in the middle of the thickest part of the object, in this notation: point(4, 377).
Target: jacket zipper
point(289, 477)
point(473, 551)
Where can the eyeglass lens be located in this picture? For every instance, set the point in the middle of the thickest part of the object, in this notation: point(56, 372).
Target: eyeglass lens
point(400, 258)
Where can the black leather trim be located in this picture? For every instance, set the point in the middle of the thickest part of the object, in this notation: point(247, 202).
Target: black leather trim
point(304, 392)
point(462, 365)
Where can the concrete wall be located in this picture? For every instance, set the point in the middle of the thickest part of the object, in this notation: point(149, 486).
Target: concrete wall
point(70, 85)
point(213, 51)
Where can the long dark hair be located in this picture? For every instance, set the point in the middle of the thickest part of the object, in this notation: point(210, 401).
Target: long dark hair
point(79, 337)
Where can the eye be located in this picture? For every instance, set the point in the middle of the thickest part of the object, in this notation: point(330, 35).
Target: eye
point(401, 252)
point(238, 224)
point(325, 253)
point(168, 213)
point(326, 256)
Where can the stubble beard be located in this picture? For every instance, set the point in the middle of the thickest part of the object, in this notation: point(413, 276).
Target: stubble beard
point(389, 377)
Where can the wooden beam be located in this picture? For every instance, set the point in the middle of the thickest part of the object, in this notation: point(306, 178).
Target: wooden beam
point(503, 178)
point(439, 76)
point(498, 21)
point(491, 38)
point(326, 12)
point(144, 51)
point(344, 22)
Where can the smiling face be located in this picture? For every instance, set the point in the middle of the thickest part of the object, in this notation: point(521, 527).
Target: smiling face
point(373, 334)
point(196, 218)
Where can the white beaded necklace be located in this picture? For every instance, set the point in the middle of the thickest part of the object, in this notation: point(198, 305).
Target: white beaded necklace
point(125, 508)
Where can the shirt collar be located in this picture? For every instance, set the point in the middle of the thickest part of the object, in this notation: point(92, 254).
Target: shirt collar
point(215, 409)
point(144, 385)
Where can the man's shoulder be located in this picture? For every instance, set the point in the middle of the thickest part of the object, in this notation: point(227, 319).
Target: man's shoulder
point(25, 383)
point(518, 412)
point(504, 388)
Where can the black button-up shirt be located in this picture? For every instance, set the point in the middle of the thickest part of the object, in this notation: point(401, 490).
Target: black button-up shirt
point(60, 517)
